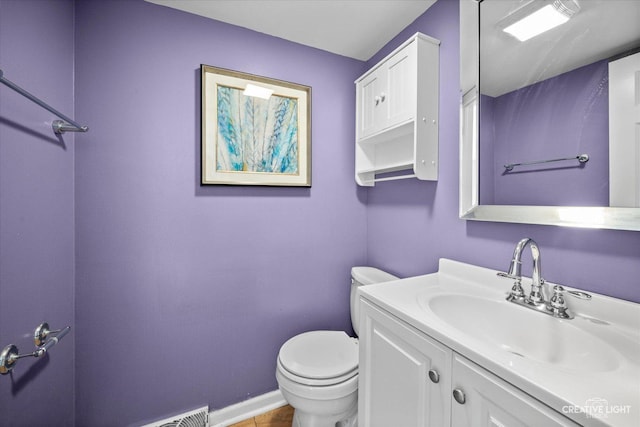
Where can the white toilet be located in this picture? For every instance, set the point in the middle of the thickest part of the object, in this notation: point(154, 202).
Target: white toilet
point(317, 371)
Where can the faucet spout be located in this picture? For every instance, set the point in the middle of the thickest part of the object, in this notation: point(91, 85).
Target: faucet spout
point(536, 296)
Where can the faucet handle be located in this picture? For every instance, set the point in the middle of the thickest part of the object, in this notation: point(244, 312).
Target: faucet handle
point(516, 293)
point(575, 293)
point(557, 304)
point(507, 275)
point(580, 295)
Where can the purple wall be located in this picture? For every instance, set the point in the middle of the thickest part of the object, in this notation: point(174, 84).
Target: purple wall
point(36, 210)
point(186, 293)
point(411, 224)
point(563, 116)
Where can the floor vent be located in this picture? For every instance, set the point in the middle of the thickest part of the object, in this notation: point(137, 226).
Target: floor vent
point(195, 418)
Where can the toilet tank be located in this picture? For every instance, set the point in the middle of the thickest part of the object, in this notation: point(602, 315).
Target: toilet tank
point(363, 276)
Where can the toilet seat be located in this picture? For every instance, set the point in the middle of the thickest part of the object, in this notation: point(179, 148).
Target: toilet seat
point(319, 358)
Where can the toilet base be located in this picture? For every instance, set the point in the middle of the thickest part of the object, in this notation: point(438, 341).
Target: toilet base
point(302, 419)
point(349, 422)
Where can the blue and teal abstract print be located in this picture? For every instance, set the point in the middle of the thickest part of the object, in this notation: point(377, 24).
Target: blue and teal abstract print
point(256, 135)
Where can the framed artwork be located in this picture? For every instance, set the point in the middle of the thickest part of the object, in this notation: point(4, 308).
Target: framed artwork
point(255, 130)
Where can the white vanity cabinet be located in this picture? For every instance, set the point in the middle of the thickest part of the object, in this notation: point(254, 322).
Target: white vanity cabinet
point(489, 401)
point(409, 379)
point(397, 114)
point(404, 376)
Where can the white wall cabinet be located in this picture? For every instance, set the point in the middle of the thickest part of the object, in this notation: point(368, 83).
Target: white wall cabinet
point(397, 114)
point(409, 379)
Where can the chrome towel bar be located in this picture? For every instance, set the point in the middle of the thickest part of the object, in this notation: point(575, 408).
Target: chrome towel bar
point(582, 158)
point(10, 353)
point(59, 126)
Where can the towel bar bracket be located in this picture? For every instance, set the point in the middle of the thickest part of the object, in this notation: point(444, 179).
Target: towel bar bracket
point(10, 354)
point(42, 332)
point(59, 126)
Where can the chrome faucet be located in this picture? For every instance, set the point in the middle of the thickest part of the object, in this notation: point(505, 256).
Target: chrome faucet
point(537, 300)
point(536, 296)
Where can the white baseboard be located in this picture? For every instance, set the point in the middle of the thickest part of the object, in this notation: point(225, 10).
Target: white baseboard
point(247, 409)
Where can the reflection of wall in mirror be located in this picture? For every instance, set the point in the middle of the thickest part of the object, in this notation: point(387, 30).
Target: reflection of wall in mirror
point(560, 117)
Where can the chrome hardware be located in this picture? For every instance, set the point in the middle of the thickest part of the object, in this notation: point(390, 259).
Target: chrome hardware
point(579, 295)
point(10, 354)
point(59, 126)
point(383, 96)
point(505, 275)
point(377, 100)
point(555, 305)
point(536, 297)
point(517, 293)
point(434, 376)
point(459, 396)
point(41, 333)
point(582, 158)
point(8, 358)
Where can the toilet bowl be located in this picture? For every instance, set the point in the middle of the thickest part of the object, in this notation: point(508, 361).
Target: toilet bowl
point(318, 375)
point(317, 371)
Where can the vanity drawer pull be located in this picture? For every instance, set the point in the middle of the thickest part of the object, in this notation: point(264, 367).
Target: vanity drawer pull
point(458, 395)
point(434, 376)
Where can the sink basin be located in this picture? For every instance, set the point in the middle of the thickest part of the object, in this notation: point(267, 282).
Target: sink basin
point(523, 332)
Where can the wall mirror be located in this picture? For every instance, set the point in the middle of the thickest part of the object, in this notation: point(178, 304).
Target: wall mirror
point(550, 124)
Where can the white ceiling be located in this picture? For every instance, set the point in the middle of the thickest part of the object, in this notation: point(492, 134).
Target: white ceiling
point(353, 28)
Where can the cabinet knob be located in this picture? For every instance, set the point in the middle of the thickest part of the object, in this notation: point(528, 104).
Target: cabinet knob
point(458, 395)
point(434, 376)
point(383, 96)
point(377, 100)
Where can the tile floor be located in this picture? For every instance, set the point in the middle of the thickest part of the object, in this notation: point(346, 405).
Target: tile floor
point(280, 417)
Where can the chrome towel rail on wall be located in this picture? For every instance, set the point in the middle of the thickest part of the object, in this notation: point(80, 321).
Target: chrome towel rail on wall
point(582, 158)
point(59, 126)
point(10, 353)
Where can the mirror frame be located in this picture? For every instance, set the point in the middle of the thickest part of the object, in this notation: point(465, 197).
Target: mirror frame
point(470, 209)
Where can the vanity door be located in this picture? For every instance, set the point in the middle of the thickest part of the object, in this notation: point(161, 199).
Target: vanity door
point(480, 399)
point(404, 376)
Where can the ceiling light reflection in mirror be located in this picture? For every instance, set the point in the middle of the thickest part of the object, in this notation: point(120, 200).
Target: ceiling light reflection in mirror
point(536, 17)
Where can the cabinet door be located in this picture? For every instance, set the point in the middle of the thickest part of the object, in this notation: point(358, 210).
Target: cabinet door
point(395, 388)
point(369, 106)
point(491, 402)
point(400, 96)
